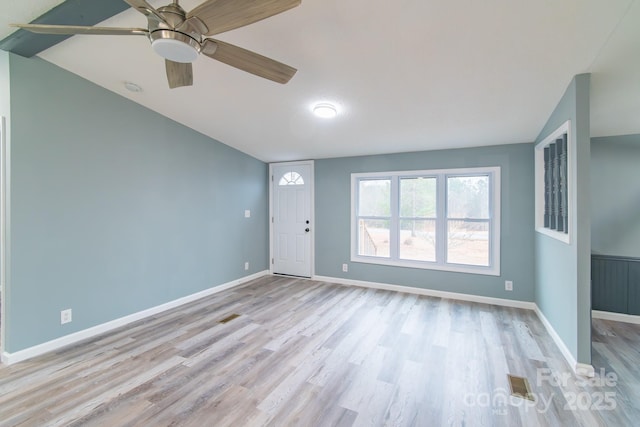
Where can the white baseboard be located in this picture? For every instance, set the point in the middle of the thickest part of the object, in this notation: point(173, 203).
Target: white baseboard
point(37, 350)
point(618, 317)
point(585, 370)
point(430, 292)
point(581, 369)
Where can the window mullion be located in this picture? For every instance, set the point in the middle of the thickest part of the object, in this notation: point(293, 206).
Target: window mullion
point(441, 221)
point(394, 224)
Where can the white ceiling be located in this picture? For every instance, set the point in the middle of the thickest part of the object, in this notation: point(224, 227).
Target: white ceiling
point(22, 11)
point(406, 75)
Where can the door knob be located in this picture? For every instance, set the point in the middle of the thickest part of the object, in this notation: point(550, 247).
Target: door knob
point(306, 229)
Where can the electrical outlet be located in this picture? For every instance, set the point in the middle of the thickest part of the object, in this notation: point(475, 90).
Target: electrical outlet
point(247, 213)
point(65, 316)
point(246, 265)
point(508, 285)
point(345, 267)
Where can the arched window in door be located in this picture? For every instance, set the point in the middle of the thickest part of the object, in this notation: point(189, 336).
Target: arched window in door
point(291, 178)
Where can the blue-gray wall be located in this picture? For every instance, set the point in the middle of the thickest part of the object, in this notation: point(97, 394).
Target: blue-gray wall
point(115, 208)
point(5, 91)
point(5, 109)
point(615, 196)
point(333, 213)
point(563, 271)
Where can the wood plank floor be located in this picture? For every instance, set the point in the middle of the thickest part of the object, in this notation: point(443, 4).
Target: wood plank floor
point(307, 353)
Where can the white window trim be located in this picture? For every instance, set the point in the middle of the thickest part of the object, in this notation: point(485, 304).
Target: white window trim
point(495, 207)
point(539, 183)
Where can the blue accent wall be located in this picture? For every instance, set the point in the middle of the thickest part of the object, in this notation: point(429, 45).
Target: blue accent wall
point(70, 12)
point(563, 271)
point(115, 208)
point(615, 196)
point(333, 216)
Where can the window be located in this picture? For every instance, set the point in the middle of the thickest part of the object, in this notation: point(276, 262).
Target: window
point(553, 184)
point(291, 178)
point(442, 219)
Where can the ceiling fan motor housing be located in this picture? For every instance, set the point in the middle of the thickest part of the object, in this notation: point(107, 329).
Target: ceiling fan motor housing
point(176, 39)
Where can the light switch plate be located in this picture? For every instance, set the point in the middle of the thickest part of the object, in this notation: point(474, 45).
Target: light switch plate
point(65, 316)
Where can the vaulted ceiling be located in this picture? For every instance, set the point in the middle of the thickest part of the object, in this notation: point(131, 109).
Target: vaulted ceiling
point(405, 75)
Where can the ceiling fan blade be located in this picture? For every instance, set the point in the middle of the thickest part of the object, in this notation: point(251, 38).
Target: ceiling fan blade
point(225, 15)
point(248, 61)
point(179, 74)
point(73, 29)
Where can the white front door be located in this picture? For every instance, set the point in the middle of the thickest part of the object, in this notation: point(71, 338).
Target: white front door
point(291, 219)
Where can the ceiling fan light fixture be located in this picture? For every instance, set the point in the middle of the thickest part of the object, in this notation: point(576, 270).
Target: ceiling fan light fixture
point(175, 50)
point(325, 110)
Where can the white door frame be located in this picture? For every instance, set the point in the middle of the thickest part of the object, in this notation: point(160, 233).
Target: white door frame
point(312, 258)
point(4, 220)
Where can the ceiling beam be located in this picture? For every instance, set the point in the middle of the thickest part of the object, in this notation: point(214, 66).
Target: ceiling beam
point(71, 12)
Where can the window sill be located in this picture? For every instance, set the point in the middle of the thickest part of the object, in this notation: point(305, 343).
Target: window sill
point(563, 237)
point(424, 265)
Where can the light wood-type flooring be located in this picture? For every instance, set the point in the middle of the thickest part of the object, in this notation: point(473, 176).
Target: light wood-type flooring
point(308, 353)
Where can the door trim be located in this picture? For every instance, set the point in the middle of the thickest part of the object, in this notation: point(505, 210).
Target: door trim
point(4, 222)
point(312, 258)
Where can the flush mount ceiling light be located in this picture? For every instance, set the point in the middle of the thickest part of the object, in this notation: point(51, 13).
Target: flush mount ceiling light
point(132, 87)
point(325, 110)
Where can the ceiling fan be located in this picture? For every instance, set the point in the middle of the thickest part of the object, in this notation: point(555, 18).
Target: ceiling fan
point(178, 36)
